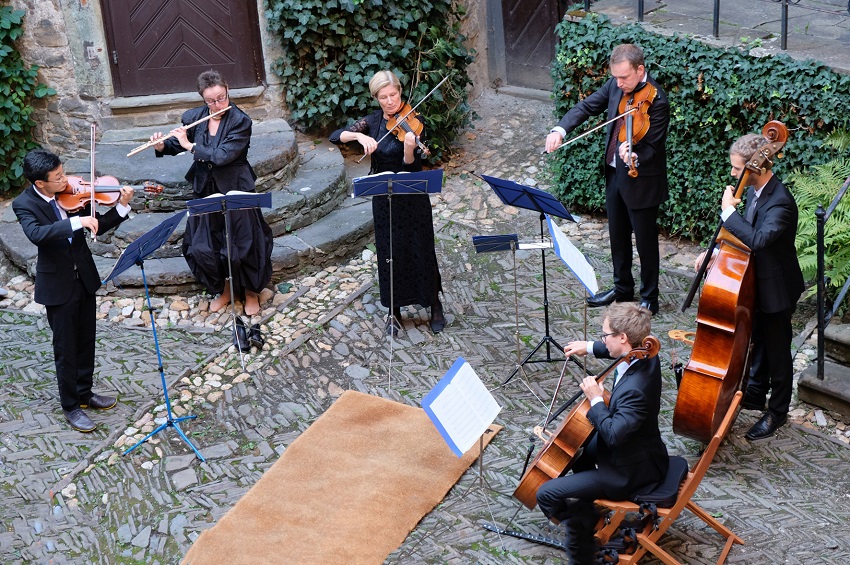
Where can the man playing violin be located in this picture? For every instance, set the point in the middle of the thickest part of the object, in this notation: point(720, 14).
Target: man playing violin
point(67, 279)
point(625, 455)
point(769, 228)
point(631, 203)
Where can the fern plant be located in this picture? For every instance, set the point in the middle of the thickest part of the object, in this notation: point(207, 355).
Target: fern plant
point(818, 186)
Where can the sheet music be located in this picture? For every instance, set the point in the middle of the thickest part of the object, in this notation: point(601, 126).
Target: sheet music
point(573, 258)
point(461, 407)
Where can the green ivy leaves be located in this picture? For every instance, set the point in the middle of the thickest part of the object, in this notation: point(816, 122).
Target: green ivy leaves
point(332, 48)
point(716, 95)
point(18, 86)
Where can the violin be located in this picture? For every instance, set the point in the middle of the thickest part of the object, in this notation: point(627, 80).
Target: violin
point(404, 121)
point(107, 191)
point(565, 445)
point(637, 121)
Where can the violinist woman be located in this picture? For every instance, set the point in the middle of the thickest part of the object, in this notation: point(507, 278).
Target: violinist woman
point(67, 279)
point(416, 276)
point(626, 455)
point(630, 203)
point(219, 148)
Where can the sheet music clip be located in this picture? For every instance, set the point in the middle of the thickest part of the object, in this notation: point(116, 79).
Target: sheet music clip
point(489, 243)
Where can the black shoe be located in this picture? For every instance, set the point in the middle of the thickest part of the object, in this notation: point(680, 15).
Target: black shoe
point(754, 403)
point(651, 305)
point(438, 320)
point(240, 336)
point(766, 426)
point(606, 297)
point(255, 337)
point(79, 420)
point(99, 402)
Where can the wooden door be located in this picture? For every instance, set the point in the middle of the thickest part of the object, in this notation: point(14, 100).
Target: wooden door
point(161, 46)
point(530, 41)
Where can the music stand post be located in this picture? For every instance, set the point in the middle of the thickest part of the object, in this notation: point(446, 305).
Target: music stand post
point(521, 196)
point(387, 184)
point(135, 254)
point(225, 203)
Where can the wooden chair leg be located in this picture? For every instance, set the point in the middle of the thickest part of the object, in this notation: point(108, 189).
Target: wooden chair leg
point(656, 550)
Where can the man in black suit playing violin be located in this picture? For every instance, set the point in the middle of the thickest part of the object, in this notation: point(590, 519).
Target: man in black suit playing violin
point(631, 203)
point(625, 455)
point(66, 279)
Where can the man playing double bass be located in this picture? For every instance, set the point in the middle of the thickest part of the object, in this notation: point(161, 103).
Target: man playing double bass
point(626, 455)
point(769, 228)
point(630, 203)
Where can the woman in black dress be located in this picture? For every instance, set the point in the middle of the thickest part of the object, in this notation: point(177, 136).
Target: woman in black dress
point(416, 276)
point(219, 147)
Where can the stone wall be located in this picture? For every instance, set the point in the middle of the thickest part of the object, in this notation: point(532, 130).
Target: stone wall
point(66, 39)
point(474, 27)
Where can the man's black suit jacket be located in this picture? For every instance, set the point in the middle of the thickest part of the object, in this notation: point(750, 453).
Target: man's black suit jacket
point(224, 156)
point(54, 271)
point(650, 188)
point(630, 453)
point(779, 280)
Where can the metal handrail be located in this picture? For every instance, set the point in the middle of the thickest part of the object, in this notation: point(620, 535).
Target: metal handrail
point(823, 317)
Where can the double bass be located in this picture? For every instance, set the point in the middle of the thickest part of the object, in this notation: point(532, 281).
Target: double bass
point(721, 345)
point(567, 442)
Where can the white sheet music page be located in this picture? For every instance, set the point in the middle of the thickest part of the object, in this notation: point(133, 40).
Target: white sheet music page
point(573, 258)
point(461, 407)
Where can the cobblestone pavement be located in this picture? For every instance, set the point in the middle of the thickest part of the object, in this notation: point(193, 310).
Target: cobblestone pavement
point(73, 498)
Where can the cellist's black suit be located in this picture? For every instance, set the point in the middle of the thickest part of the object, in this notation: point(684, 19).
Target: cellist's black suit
point(625, 456)
point(632, 203)
point(66, 280)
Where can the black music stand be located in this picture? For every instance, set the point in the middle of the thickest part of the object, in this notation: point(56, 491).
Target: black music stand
point(422, 182)
point(135, 254)
point(233, 200)
point(521, 196)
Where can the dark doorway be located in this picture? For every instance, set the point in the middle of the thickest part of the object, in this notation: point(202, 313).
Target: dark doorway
point(161, 46)
point(529, 27)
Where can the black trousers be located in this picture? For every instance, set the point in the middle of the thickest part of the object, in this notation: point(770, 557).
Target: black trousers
point(74, 327)
point(622, 221)
point(772, 367)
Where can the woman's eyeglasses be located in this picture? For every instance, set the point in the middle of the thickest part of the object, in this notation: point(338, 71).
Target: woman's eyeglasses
point(218, 100)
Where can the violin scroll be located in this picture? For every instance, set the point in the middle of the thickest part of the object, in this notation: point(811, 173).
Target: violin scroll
point(649, 348)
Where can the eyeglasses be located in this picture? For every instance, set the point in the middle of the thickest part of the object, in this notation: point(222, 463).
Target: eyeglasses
point(218, 100)
point(603, 336)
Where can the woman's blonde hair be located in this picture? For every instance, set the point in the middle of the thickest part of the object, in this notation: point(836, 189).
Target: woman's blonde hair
point(381, 80)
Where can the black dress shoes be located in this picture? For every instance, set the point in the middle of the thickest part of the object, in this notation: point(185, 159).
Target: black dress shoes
point(255, 337)
point(606, 297)
point(651, 305)
point(240, 336)
point(766, 426)
point(100, 402)
point(79, 421)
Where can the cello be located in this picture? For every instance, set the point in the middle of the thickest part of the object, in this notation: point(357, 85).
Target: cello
point(720, 354)
point(567, 442)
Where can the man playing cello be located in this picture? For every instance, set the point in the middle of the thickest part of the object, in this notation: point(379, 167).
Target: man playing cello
point(626, 455)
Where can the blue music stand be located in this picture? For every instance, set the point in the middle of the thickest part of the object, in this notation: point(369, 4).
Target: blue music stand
point(490, 243)
point(521, 196)
point(225, 203)
point(387, 184)
point(135, 254)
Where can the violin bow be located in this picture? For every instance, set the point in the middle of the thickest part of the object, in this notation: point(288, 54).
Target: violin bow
point(593, 129)
point(424, 98)
point(93, 179)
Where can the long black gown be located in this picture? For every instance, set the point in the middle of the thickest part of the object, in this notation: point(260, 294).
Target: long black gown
point(416, 276)
point(220, 165)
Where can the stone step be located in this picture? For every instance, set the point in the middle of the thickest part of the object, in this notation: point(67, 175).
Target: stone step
point(831, 393)
point(837, 342)
point(312, 221)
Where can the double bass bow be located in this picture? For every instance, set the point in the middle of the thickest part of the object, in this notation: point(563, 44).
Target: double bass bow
point(565, 444)
point(721, 342)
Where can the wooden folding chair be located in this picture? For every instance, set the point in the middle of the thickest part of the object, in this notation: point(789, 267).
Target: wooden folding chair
point(649, 534)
